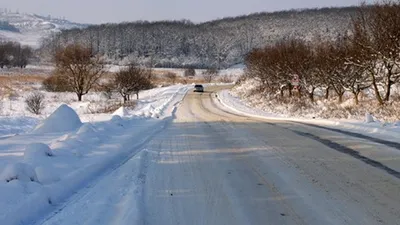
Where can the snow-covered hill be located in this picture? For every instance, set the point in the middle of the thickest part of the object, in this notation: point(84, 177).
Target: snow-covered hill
point(30, 28)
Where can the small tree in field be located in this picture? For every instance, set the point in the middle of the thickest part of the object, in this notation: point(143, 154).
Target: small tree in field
point(34, 103)
point(131, 80)
point(210, 74)
point(190, 72)
point(80, 68)
point(171, 76)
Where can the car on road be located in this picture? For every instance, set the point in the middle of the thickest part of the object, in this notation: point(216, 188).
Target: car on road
point(198, 88)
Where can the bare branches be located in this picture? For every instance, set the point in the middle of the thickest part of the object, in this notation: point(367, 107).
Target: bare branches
point(131, 80)
point(367, 57)
point(79, 67)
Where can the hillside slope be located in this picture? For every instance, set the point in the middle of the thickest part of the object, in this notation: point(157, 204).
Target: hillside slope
point(219, 43)
point(29, 29)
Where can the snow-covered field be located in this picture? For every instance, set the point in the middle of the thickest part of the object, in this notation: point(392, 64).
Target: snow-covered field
point(44, 159)
point(370, 125)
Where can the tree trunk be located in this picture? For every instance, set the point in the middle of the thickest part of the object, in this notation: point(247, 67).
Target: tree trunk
point(377, 94)
point(356, 93)
point(125, 98)
point(79, 96)
point(327, 92)
point(340, 95)
point(388, 90)
point(311, 95)
point(137, 95)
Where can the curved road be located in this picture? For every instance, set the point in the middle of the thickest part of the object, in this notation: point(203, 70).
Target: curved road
point(210, 166)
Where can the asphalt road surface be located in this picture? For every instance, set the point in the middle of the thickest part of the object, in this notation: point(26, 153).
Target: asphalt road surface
point(210, 166)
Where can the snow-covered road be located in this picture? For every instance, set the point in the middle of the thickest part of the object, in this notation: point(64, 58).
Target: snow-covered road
point(211, 166)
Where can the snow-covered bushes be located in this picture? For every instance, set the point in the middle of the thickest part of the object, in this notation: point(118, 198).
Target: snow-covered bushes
point(34, 103)
point(19, 171)
point(37, 151)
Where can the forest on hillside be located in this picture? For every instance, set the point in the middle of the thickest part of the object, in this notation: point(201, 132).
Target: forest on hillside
point(216, 44)
point(4, 25)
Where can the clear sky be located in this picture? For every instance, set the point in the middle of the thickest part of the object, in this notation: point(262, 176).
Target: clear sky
point(101, 11)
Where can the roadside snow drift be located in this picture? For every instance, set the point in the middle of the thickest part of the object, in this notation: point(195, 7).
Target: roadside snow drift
point(62, 120)
point(370, 126)
point(43, 169)
point(36, 151)
point(19, 171)
point(122, 112)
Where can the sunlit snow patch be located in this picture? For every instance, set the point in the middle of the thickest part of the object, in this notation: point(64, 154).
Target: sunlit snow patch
point(62, 120)
point(122, 112)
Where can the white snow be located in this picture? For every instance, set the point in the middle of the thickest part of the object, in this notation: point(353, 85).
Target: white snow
point(19, 171)
point(122, 112)
point(63, 119)
point(369, 118)
point(63, 155)
point(37, 151)
point(387, 131)
point(33, 28)
point(10, 125)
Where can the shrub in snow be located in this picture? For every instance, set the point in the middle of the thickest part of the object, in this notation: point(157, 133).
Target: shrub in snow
point(34, 103)
point(56, 83)
point(19, 171)
point(369, 118)
point(189, 72)
point(37, 151)
point(62, 120)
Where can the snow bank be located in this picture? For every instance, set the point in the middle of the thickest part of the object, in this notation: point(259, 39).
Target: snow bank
point(122, 112)
point(369, 118)
point(46, 175)
point(387, 132)
point(62, 120)
point(37, 151)
point(86, 129)
point(83, 154)
point(19, 171)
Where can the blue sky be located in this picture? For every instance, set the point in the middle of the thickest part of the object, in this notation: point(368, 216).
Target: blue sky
point(101, 11)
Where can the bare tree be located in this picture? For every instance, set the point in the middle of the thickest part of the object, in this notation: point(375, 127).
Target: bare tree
point(375, 32)
point(190, 72)
point(171, 76)
point(131, 80)
point(34, 103)
point(210, 74)
point(80, 68)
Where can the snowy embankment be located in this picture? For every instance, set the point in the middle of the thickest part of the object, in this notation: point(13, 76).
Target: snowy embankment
point(371, 126)
point(42, 169)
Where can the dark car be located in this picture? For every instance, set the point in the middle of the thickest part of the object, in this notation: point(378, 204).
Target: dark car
point(198, 88)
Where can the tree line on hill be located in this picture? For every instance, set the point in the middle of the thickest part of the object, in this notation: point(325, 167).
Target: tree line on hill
point(13, 54)
point(215, 44)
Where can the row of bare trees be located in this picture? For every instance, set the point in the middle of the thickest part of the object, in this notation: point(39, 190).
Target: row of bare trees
point(79, 70)
point(12, 54)
point(366, 57)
